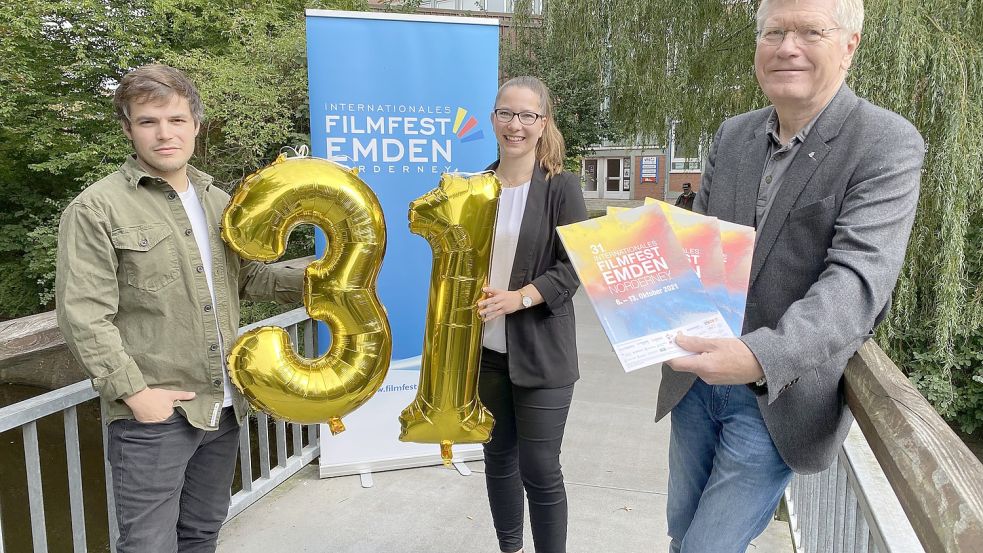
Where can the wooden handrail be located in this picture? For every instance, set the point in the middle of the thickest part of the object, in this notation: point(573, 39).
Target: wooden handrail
point(27, 336)
point(935, 476)
point(33, 351)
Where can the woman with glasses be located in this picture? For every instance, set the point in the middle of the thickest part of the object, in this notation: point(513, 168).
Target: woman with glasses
point(529, 354)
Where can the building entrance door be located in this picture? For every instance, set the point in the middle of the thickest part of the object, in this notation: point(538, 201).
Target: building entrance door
point(616, 185)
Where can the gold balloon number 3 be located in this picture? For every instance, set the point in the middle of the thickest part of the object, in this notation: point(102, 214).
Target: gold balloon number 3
point(458, 221)
point(339, 289)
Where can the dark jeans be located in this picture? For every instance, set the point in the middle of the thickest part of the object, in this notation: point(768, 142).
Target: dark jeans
point(171, 482)
point(524, 451)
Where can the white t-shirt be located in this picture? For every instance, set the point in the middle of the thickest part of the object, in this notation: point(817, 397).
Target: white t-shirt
point(196, 214)
point(511, 206)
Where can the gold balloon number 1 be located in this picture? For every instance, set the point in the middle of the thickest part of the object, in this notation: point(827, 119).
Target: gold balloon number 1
point(458, 221)
point(339, 289)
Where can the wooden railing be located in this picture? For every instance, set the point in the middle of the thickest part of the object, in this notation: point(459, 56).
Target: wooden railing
point(938, 481)
point(33, 351)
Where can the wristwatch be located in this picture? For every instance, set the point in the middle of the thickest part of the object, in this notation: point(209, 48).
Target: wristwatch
point(526, 300)
point(759, 387)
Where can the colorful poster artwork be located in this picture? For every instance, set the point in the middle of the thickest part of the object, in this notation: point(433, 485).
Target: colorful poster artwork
point(707, 242)
point(737, 244)
point(641, 284)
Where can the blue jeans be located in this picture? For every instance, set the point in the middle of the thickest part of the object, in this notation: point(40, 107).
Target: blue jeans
point(725, 475)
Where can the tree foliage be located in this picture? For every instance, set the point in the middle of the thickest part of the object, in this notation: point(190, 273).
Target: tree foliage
point(578, 92)
point(692, 62)
point(59, 64)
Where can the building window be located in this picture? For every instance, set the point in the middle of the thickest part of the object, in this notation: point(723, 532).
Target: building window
point(498, 6)
point(686, 164)
point(686, 157)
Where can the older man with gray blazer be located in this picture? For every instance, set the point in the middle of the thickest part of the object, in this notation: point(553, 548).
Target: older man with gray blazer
point(830, 182)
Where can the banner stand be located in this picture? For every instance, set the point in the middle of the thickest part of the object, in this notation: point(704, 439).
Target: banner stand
point(371, 443)
point(403, 98)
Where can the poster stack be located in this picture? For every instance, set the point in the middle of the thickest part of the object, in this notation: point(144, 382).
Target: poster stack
point(654, 271)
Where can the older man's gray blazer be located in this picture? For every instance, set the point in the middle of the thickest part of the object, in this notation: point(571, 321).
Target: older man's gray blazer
point(825, 263)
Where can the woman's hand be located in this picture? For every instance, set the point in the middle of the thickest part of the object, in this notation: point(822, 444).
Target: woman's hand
point(498, 303)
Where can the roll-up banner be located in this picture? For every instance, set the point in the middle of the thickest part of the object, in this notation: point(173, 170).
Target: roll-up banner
point(403, 98)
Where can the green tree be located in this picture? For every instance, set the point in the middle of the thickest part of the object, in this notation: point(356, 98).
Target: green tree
point(56, 61)
point(253, 81)
point(61, 60)
point(575, 83)
point(692, 62)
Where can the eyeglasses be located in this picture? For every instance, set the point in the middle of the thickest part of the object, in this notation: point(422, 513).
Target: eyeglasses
point(803, 35)
point(526, 117)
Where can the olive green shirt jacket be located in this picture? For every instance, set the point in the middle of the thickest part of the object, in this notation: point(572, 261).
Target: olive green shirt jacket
point(132, 299)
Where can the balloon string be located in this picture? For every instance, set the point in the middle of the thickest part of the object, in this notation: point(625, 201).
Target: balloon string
point(299, 151)
point(303, 151)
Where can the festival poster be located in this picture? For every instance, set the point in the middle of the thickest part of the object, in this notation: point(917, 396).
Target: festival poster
point(641, 285)
point(729, 287)
point(725, 277)
point(737, 243)
point(699, 237)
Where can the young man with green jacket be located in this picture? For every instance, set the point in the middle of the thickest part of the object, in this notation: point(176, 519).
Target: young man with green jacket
point(148, 300)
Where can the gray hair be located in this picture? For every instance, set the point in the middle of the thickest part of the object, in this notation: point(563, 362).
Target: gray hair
point(849, 14)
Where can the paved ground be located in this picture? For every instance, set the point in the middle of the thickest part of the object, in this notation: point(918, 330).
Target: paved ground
point(614, 463)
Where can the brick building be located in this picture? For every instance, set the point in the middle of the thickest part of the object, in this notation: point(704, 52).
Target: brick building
point(618, 172)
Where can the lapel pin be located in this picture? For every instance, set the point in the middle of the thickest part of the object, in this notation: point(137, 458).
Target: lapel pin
point(812, 155)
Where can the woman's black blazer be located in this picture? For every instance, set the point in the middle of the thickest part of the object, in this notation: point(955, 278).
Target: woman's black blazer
point(542, 340)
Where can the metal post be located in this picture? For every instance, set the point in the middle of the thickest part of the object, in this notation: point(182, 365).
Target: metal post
point(110, 496)
point(32, 458)
point(74, 459)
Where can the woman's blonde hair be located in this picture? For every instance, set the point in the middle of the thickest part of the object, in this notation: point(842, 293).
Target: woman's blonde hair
point(551, 150)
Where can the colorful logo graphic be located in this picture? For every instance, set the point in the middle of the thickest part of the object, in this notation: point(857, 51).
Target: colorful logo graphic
point(462, 130)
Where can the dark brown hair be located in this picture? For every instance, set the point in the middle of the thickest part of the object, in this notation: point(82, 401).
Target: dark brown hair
point(154, 83)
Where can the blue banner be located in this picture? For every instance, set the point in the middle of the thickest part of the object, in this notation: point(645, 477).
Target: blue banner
point(403, 98)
